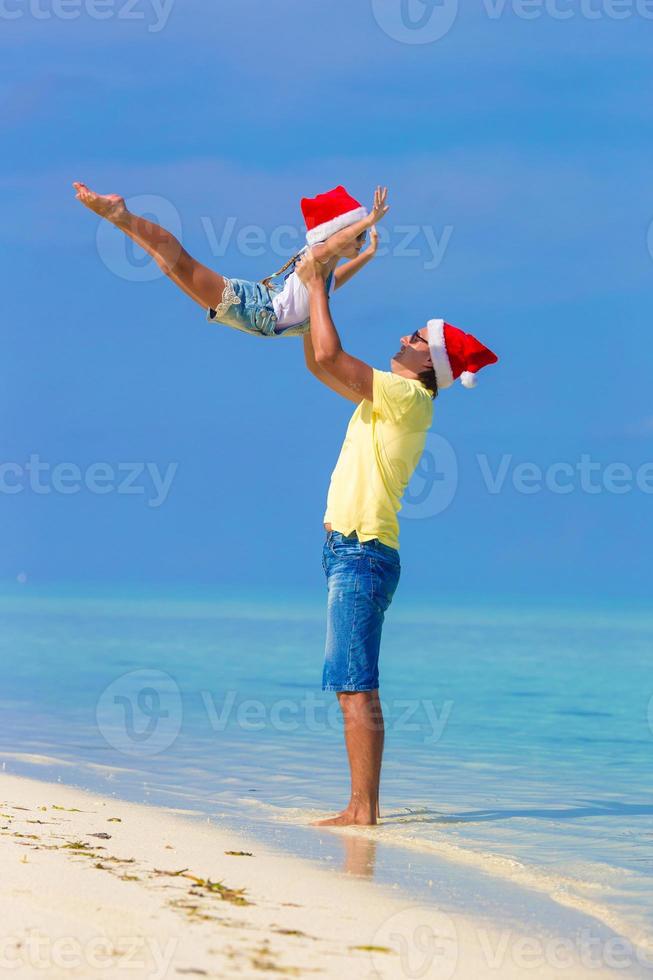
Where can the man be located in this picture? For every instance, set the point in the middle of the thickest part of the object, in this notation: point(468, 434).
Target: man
point(384, 441)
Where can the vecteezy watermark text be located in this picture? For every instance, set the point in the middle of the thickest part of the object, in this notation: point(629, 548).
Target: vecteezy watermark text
point(43, 478)
point(44, 954)
point(568, 9)
point(425, 939)
point(128, 261)
point(407, 241)
point(434, 483)
point(141, 713)
point(319, 714)
point(586, 474)
point(153, 13)
point(427, 21)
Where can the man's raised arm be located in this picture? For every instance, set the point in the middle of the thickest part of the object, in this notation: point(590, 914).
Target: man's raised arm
point(351, 373)
point(322, 375)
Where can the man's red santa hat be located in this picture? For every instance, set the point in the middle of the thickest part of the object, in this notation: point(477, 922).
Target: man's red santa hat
point(456, 354)
point(328, 213)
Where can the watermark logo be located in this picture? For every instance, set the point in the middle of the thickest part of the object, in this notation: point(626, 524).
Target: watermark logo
point(121, 255)
point(140, 713)
point(434, 482)
point(425, 939)
point(415, 21)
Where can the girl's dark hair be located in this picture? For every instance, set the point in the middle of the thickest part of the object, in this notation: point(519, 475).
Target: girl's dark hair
point(428, 379)
point(268, 279)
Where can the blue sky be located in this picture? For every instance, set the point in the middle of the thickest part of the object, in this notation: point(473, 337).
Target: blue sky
point(517, 152)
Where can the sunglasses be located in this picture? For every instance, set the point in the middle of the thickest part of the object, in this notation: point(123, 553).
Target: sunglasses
point(414, 337)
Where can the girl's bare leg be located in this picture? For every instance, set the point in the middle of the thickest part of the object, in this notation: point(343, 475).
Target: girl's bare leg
point(199, 282)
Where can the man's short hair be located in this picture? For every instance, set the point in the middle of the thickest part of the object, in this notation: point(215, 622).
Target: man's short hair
point(428, 379)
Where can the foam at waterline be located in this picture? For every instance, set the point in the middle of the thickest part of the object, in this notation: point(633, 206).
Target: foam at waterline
point(36, 759)
point(561, 889)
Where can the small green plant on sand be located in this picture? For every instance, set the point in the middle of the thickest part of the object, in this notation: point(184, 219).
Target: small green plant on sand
point(373, 949)
point(233, 895)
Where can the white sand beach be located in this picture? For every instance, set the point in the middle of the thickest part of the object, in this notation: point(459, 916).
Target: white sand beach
point(93, 886)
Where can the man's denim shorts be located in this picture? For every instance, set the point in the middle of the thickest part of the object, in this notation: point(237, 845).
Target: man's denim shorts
point(361, 580)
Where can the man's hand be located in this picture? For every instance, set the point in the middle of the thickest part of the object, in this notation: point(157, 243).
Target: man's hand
point(374, 243)
point(310, 270)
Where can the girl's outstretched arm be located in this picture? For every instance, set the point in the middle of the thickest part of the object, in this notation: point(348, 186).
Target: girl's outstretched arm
point(196, 280)
point(345, 272)
point(336, 244)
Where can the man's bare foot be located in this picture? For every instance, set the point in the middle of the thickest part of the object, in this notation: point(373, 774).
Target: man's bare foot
point(109, 206)
point(348, 818)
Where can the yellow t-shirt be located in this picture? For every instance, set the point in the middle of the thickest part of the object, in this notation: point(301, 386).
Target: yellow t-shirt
point(384, 441)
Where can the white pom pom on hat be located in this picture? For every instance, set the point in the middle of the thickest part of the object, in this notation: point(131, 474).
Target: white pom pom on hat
point(456, 354)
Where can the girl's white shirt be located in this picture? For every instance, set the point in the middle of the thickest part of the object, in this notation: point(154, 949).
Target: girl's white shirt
point(291, 304)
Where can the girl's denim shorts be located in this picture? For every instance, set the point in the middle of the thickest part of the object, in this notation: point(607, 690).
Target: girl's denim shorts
point(247, 306)
point(361, 580)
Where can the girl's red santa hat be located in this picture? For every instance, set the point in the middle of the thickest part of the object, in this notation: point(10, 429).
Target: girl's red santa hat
point(456, 354)
point(331, 212)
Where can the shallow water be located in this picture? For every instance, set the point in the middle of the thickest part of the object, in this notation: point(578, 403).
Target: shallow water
point(519, 741)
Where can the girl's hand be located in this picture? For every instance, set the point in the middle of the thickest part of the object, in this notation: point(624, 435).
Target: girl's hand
point(379, 208)
point(109, 206)
point(374, 242)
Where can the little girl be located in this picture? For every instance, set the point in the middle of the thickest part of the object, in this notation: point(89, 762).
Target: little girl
point(336, 228)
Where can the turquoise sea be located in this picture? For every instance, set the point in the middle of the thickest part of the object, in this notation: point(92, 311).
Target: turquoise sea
point(519, 740)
